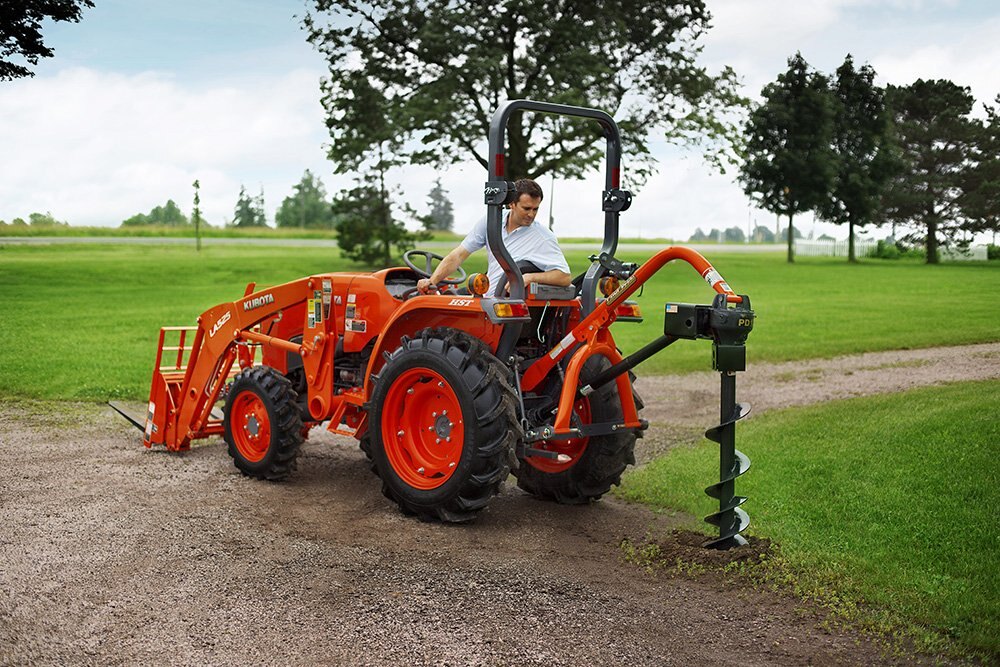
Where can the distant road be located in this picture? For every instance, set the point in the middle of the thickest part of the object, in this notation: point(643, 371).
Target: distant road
point(330, 243)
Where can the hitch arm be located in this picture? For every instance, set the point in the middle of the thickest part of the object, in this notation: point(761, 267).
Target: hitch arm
point(603, 315)
point(627, 364)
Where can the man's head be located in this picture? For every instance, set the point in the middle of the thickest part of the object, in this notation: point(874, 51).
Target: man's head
point(524, 210)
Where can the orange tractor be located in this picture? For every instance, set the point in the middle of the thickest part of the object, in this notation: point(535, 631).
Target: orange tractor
point(447, 393)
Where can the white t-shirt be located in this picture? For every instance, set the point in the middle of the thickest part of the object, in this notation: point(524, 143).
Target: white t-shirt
point(534, 243)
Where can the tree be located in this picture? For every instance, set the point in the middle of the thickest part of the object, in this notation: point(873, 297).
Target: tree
point(21, 31)
point(790, 166)
point(934, 133)
point(249, 211)
point(196, 214)
point(734, 235)
point(443, 67)
point(698, 236)
point(980, 198)
point(762, 234)
point(367, 231)
point(442, 215)
point(863, 149)
point(45, 220)
point(168, 215)
point(307, 208)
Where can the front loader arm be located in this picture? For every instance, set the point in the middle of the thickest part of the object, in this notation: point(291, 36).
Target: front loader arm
point(182, 396)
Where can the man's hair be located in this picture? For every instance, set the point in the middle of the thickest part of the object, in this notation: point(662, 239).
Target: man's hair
point(526, 186)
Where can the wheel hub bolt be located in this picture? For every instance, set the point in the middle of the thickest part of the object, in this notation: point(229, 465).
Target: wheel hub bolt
point(420, 471)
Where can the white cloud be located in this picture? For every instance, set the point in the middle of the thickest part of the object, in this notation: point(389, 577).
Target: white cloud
point(96, 147)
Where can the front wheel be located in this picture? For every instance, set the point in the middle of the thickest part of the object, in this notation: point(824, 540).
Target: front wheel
point(442, 425)
point(262, 424)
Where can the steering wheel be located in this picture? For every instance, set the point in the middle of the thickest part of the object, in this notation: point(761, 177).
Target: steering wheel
point(426, 272)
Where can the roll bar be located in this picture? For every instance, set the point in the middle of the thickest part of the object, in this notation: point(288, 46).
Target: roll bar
point(499, 192)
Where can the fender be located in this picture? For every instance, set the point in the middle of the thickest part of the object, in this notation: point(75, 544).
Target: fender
point(434, 310)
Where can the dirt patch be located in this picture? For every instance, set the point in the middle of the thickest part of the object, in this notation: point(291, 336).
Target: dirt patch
point(114, 554)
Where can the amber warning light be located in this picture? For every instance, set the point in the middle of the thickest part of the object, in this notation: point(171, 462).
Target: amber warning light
point(510, 309)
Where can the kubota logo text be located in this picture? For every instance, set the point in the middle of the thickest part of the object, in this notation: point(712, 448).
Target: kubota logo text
point(218, 325)
point(258, 301)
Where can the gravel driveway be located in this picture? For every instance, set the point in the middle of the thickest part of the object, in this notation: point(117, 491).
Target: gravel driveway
point(114, 554)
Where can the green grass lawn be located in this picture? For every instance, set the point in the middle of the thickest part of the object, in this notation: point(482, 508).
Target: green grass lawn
point(882, 503)
point(80, 322)
point(883, 507)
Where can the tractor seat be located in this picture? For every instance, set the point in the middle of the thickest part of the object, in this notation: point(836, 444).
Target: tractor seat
point(542, 292)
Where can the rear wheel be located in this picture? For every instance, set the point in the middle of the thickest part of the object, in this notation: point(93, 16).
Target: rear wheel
point(442, 425)
point(597, 462)
point(262, 424)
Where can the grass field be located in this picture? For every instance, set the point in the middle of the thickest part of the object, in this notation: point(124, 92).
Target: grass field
point(884, 511)
point(883, 506)
point(80, 322)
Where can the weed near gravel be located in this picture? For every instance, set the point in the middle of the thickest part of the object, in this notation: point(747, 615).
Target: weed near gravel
point(883, 508)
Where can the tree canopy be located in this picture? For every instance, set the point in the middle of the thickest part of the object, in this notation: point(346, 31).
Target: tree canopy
point(440, 68)
point(442, 213)
point(21, 31)
point(935, 135)
point(168, 215)
point(980, 198)
point(367, 229)
point(862, 148)
point(307, 207)
point(790, 165)
point(249, 211)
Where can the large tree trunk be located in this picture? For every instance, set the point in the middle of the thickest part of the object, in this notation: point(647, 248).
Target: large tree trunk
point(851, 257)
point(791, 240)
point(383, 209)
point(516, 164)
point(932, 242)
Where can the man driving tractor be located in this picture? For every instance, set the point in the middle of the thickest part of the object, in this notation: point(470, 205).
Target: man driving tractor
point(533, 247)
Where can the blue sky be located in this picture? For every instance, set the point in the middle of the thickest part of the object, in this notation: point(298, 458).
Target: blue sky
point(144, 96)
point(210, 40)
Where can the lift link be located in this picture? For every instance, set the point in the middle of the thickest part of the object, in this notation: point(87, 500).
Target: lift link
point(728, 329)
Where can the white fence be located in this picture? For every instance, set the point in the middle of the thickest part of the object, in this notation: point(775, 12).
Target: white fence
point(864, 246)
point(833, 248)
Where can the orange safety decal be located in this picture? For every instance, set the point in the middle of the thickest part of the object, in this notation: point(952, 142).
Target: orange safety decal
point(713, 277)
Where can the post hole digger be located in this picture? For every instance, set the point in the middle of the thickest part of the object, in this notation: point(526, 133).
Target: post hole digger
point(447, 393)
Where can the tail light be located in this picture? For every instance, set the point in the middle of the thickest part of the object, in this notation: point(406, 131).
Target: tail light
point(628, 312)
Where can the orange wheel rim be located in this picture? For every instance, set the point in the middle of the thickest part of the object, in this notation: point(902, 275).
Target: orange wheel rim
point(572, 447)
point(250, 426)
point(422, 428)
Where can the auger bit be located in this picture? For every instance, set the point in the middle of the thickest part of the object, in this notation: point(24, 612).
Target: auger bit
point(728, 328)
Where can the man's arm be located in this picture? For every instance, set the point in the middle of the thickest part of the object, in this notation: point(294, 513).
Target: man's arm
point(452, 261)
point(553, 277)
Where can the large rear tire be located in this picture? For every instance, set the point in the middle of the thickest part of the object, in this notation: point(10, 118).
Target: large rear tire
point(442, 425)
point(263, 427)
point(597, 462)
